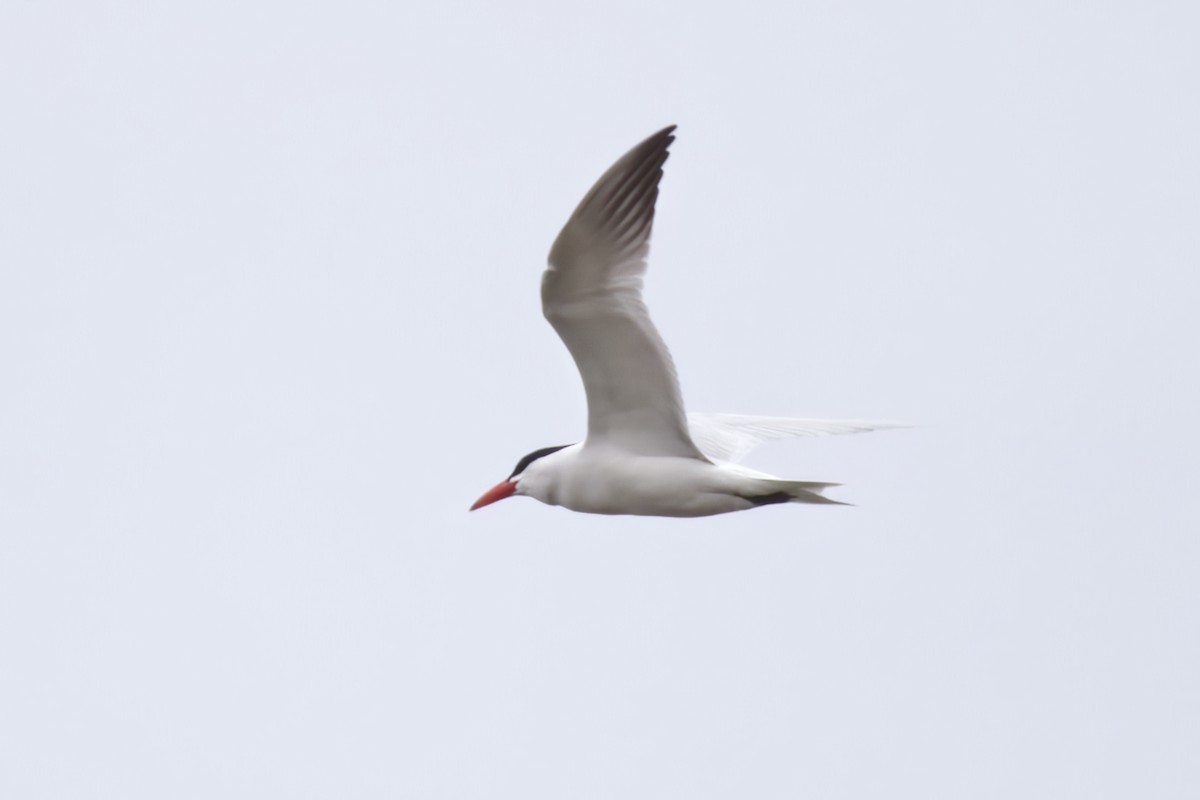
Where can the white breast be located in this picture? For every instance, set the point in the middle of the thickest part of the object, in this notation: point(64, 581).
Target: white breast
point(600, 480)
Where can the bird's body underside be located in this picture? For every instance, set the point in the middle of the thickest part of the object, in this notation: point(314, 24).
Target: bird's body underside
point(601, 480)
point(643, 455)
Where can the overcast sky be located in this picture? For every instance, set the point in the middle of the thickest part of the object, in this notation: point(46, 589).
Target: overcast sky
point(269, 323)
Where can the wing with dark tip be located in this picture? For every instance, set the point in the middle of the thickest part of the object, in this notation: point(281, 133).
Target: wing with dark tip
point(592, 295)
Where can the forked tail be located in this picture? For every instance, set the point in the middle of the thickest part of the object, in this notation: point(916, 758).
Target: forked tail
point(781, 491)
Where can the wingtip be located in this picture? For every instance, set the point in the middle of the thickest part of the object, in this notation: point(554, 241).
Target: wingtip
point(666, 135)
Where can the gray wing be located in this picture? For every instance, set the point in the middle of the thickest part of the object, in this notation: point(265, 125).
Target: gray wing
point(729, 437)
point(592, 295)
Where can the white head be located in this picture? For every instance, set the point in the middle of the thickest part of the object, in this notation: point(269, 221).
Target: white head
point(530, 477)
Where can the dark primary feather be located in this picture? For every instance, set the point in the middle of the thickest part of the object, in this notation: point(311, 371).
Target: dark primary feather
point(620, 206)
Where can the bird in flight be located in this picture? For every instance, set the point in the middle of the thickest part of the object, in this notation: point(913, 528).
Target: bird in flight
point(643, 454)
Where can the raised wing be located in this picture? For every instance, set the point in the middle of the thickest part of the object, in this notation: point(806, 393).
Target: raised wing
point(592, 295)
point(729, 437)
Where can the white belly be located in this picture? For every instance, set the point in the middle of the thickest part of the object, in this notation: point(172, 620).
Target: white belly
point(665, 486)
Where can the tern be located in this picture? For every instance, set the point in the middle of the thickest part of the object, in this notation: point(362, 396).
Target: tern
point(643, 454)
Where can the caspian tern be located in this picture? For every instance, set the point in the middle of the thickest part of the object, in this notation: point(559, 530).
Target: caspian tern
point(642, 454)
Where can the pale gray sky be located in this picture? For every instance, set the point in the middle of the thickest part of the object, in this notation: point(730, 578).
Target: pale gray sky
point(269, 323)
